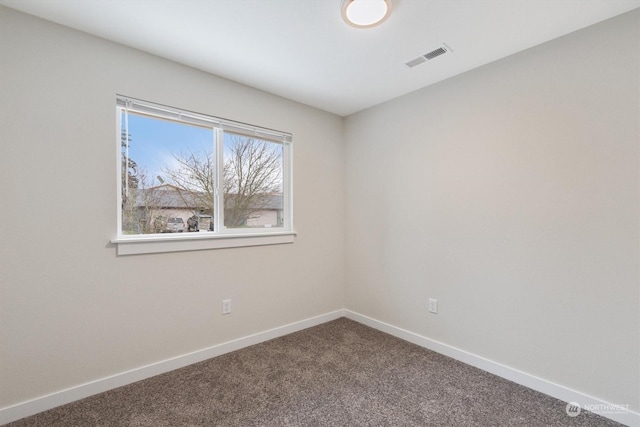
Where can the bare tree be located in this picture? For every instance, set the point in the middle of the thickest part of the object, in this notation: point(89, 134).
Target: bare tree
point(252, 175)
point(142, 209)
point(129, 173)
point(193, 179)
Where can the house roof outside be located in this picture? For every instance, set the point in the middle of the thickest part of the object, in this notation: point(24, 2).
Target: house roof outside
point(164, 196)
point(168, 196)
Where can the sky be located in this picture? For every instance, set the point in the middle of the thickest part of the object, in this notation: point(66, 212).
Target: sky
point(154, 141)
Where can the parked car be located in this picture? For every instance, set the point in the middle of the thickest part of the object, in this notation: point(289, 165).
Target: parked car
point(175, 225)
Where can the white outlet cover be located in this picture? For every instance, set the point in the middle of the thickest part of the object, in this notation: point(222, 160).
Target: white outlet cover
point(226, 306)
point(433, 305)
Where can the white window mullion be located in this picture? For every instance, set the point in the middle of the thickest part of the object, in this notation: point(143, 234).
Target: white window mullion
point(219, 180)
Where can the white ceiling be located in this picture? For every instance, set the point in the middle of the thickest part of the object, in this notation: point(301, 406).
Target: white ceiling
point(302, 50)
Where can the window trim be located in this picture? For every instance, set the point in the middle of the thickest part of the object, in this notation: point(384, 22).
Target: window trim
point(153, 243)
point(224, 237)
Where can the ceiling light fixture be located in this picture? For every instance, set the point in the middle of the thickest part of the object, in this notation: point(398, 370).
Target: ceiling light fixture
point(365, 13)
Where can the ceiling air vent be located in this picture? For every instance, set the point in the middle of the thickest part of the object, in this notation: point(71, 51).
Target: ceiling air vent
point(439, 51)
point(429, 56)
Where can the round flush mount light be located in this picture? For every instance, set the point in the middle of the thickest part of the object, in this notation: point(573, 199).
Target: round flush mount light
point(365, 13)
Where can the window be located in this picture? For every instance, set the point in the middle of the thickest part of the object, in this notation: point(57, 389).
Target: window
point(190, 181)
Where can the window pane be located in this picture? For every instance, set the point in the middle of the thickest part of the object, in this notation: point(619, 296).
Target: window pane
point(167, 176)
point(253, 186)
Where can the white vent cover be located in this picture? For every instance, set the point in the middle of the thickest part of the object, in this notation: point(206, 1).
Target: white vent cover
point(441, 50)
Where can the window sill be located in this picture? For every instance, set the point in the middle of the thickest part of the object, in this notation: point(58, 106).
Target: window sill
point(134, 245)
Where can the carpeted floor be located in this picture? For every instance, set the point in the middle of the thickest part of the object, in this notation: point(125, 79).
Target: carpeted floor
point(340, 373)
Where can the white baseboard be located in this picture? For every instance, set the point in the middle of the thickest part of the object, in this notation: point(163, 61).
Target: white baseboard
point(31, 407)
point(549, 388)
point(62, 397)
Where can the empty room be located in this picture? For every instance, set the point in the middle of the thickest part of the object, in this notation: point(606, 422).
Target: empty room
point(320, 213)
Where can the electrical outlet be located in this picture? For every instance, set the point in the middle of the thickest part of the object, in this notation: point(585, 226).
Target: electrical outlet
point(226, 306)
point(433, 305)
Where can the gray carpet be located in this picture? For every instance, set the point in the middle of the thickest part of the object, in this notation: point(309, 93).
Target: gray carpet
point(340, 373)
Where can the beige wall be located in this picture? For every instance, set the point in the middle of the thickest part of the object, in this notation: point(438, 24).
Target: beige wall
point(71, 311)
point(511, 194)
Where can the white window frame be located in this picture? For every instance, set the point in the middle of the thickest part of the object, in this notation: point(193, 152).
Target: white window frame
point(221, 237)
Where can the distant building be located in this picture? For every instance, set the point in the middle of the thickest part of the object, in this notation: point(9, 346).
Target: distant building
point(151, 207)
